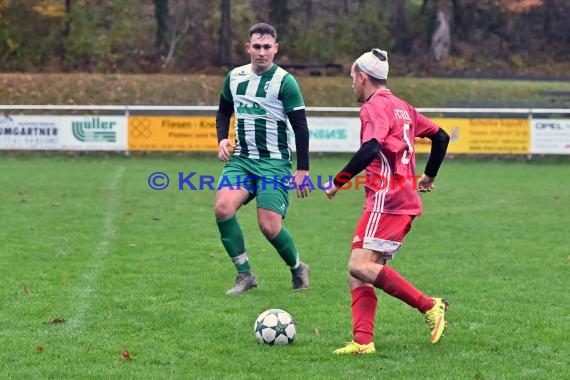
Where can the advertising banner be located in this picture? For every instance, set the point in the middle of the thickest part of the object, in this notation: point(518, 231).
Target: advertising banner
point(174, 133)
point(29, 132)
point(93, 133)
point(327, 134)
point(550, 136)
point(475, 136)
point(332, 134)
point(50, 132)
point(483, 136)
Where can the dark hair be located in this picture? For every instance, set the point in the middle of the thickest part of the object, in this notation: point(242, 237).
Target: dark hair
point(379, 54)
point(373, 80)
point(263, 28)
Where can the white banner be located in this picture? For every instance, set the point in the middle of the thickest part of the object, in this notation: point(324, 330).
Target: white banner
point(50, 132)
point(29, 132)
point(333, 134)
point(94, 133)
point(550, 136)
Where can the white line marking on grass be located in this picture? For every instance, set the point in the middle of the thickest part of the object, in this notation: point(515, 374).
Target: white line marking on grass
point(82, 294)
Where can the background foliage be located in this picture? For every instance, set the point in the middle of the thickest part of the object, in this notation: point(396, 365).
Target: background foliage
point(183, 36)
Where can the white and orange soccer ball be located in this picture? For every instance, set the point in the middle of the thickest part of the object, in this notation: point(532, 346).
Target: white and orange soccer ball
point(275, 327)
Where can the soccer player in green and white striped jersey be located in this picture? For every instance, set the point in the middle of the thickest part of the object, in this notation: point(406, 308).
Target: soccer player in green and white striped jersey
point(263, 96)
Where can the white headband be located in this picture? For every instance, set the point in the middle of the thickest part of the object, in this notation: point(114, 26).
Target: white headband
point(374, 63)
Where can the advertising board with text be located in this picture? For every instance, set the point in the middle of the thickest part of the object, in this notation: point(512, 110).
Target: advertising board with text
point(482, 136)
point(550, 136)
point(174, 133)
point(49, 132)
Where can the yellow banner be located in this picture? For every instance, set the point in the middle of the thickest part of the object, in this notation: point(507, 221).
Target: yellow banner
point(175, 133)
point(483, 136)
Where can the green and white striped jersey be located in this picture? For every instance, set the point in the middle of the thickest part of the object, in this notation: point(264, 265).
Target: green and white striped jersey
point(261, 103)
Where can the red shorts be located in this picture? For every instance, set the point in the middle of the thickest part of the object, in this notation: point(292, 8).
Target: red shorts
point(383, 233)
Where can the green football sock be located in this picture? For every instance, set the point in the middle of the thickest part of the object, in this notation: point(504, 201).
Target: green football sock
point(284, 244)
point(232, 239)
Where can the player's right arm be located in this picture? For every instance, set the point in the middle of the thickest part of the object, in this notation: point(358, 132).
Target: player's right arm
point(373, 132)
point(361, 159)
point(223, 117)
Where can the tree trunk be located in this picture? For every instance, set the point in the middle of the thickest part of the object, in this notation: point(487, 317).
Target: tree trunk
point(261, 9)
point(279, 16)
point(441, 37)
point(345, 8)
point(67, 28)
point(460, 26)
point(225, 41)
point(308, 5)
point(65, 32)
point(161, 14)
point(399, 26)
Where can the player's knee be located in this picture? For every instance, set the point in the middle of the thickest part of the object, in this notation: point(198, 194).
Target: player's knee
point(268, 229)
point(223, 210)
point(355, 268)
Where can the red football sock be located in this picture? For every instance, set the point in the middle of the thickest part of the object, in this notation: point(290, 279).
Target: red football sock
point(395, 285)
point(364, 304)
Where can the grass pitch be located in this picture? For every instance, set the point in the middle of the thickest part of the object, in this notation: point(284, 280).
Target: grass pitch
point(103, 277)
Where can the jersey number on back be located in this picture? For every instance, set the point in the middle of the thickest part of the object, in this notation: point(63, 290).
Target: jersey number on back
point(407, 153)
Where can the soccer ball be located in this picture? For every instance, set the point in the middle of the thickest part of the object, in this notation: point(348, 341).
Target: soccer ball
point(275, 327)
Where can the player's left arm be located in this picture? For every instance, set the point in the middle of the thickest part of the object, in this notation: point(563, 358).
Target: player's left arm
point(298, 120)
point(290, 95)
point(439, 142)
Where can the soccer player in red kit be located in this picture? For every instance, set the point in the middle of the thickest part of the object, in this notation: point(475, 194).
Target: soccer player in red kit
point(388, 128)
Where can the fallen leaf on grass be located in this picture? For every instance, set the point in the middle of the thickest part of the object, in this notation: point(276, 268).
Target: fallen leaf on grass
point(26, 290)
point(40, 348)
point(317, 330)
point(126, 355)
point(55, 321)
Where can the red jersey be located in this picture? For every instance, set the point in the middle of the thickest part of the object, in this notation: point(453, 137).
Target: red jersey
point(391, 178)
